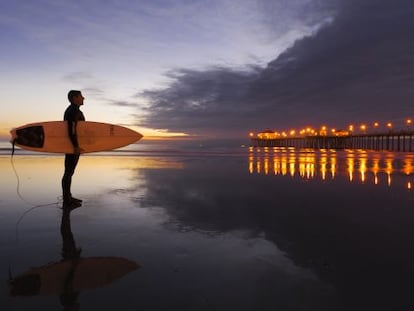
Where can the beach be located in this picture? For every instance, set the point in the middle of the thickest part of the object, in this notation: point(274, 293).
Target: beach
point(213, 228)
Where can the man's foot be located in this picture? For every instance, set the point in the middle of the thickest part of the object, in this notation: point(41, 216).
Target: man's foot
point(76, 199)
point(71, 205)
point(69, 199)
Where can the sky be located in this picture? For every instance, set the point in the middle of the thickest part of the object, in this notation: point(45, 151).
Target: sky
point(208, 68)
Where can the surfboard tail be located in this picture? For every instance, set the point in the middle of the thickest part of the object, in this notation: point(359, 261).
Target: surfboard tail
point(30, 136)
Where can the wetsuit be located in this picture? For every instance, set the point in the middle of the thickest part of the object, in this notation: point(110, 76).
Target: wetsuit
point(72, 116)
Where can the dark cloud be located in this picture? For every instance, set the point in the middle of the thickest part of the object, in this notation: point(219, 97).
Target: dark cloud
point(202, 101)
point(359, 68)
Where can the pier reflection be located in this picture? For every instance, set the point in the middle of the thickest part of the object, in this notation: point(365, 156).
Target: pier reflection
point(359, 166)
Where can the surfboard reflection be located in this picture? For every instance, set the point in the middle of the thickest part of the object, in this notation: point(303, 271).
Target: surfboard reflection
point(356, 166)
point(68, 277)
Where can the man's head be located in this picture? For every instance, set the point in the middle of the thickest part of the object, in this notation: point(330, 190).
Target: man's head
point(75, 97)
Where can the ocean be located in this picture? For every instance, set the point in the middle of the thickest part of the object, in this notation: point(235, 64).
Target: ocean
point(208, 225)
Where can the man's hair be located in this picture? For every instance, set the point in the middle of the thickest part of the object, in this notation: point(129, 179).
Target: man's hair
point(73, 93)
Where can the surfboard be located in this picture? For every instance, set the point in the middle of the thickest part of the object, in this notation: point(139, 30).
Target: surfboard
point(52, 136)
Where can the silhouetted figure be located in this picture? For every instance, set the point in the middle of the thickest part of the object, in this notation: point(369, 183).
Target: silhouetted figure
point(72, 116)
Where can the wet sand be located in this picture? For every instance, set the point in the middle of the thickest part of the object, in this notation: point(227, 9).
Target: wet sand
point(255, 231)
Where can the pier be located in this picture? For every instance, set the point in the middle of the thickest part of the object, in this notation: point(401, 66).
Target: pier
point(392, 141)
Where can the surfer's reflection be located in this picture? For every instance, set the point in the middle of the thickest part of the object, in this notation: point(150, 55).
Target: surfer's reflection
point(68, 277)
point(69, 295)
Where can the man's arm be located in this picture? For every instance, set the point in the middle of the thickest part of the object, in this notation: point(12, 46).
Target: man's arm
point(73, 136)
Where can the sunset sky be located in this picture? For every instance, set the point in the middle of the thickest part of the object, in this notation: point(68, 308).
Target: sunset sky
point(208, 68)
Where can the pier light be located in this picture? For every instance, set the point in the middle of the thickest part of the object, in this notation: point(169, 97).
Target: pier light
point(333, 131)
point(251, 134)
point(376, 124)
point(389, 126)
point(408, 122)
point(363, 128)
point(351, 128)
point(292, 133)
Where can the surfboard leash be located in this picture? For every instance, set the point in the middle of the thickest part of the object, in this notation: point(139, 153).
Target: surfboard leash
point(13, 142)
point(18, 183)
point(34, 206)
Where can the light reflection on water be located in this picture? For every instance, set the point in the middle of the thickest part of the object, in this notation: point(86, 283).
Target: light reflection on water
point(211, 236)
point(357, 166)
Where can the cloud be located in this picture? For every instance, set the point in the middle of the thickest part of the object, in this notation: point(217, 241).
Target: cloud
point(94, 91)
point(78, 76)
point(359, 67)
point(197, 101)
point(90, 86)
point(122, 103)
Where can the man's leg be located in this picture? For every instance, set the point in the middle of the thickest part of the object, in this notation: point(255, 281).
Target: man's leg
point(71, 160)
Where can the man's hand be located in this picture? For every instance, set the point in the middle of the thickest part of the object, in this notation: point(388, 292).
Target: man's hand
point(77, 150)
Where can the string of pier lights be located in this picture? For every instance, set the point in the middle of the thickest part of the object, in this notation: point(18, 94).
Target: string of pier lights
point(324, 131)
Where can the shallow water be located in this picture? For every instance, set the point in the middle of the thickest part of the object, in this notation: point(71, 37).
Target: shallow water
point(215, 229)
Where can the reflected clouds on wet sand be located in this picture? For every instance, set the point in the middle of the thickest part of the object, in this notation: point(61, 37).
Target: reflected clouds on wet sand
point(260, 229)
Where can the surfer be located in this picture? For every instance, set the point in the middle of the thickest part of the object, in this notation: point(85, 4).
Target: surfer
point(72, 115)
